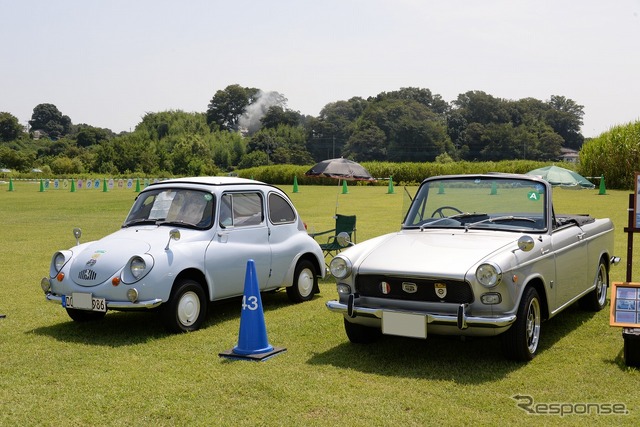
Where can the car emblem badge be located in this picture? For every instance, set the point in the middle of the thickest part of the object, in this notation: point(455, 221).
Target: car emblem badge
point(410, 288)
point(91, 262)
point(385, 288)
point(441, 290)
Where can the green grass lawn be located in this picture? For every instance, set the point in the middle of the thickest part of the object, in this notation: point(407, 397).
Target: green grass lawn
point(125, 370)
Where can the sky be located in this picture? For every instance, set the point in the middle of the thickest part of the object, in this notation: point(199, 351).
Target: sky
point(108, 63)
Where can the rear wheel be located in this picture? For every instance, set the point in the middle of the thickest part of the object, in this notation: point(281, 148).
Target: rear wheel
point(186, 309)
point(596, 300)
point(85, 315)
point(360, 334)
point(305, 281)
point(521, 341)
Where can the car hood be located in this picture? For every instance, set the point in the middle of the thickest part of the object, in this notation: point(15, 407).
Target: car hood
point(447, 254)
point(100, 260)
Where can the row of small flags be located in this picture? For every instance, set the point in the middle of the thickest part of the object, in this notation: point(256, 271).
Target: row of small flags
point(91, 184)
point(130, 184)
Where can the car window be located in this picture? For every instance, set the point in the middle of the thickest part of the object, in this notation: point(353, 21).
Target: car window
point(481, 202)
point(241, 209)
point(179, 206)
point(280, 211)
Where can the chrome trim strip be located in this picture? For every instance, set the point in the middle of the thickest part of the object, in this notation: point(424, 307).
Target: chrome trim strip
point(436, 319)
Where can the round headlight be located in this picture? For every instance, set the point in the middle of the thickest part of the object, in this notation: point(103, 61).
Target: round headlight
point(488, 275)
point(58, 261)
point(137, 267)
point(340, 267)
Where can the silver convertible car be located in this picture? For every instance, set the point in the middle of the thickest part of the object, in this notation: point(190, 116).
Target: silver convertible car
point(477, 255)
point(186, 242)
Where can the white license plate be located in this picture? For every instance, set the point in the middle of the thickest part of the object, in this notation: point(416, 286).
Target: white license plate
point(404, 324)
point(84, 301)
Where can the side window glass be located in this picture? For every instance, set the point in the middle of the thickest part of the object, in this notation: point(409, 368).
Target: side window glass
point(280, 211)
point(226, 217)
point(241, 209)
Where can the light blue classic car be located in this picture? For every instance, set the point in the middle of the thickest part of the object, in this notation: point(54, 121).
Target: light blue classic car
point(477, 255)
point(186, 242)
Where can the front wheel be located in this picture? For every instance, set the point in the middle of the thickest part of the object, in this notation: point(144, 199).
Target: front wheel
point(305, 282)
point(521, 341)
point(596, 300)
point(186, 309)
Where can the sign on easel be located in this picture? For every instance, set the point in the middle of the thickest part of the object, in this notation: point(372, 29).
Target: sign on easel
point(636, 204)
point(625, 304)
point(625, 312)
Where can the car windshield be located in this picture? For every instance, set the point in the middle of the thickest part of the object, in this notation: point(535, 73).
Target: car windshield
point(188, 208)
point(508, 204)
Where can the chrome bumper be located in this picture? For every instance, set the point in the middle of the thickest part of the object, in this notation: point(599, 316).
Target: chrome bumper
point(461, 320)
point(114, 305)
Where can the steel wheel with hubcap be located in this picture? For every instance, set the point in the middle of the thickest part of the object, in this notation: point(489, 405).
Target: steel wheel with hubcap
point(596, 300)
point(521, 341)
point(185, 311)
point(305, 281)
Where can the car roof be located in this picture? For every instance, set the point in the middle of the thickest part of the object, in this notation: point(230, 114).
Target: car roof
point(213, 181)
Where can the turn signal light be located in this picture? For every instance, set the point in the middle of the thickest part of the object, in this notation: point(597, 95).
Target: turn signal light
point(115, 281)
point(60, 277)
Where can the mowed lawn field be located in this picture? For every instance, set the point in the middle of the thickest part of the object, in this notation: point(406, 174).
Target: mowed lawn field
point(126, 370)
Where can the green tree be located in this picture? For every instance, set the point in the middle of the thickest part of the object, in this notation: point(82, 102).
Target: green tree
point(47, 118)
point(329, 132)
point(20, 160)
point(10, 128)
point(192, 156)
point(277, 115)
point(480, 107)
point(565, 117)
point(413, 132)
point(368, 143)
point(282, 145)
point(157, 126)
point(228, 105)
point(435, 103)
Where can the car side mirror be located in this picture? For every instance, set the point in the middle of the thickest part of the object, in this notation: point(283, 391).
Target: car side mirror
point(77, 233)
point(174, 234)
point(526, 243)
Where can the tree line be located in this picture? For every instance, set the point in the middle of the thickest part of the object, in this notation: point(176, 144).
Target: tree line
point(246, 127)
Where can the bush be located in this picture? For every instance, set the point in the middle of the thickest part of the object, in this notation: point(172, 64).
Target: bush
point(402, 173)
point(614, 154)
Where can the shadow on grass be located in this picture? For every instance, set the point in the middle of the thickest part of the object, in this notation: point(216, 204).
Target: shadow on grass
point(465, 361)
point(119, 328)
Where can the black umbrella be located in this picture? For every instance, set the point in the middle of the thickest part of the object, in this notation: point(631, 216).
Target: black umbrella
point(340, 169)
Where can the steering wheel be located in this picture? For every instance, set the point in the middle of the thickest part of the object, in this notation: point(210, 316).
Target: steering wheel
point(440, 210)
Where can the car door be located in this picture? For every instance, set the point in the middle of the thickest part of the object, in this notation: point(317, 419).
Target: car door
point(570, 252)
point(282, 231)
point(242, 234)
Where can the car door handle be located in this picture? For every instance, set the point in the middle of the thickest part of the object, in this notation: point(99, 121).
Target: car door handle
point(581, 236)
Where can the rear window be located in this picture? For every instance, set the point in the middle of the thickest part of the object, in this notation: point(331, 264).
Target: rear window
point(280, 211)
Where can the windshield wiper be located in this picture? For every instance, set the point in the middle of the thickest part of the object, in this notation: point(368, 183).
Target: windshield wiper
point(140, 221)
point(499, 218)
point(456, 216)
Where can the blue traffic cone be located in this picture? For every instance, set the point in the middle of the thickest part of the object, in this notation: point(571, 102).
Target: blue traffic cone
point(252, 341)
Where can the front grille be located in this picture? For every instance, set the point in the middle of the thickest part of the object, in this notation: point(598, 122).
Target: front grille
point(87, 274)
point(372, 286)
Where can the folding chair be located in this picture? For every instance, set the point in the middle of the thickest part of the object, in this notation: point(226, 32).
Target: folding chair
point(344, 224)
